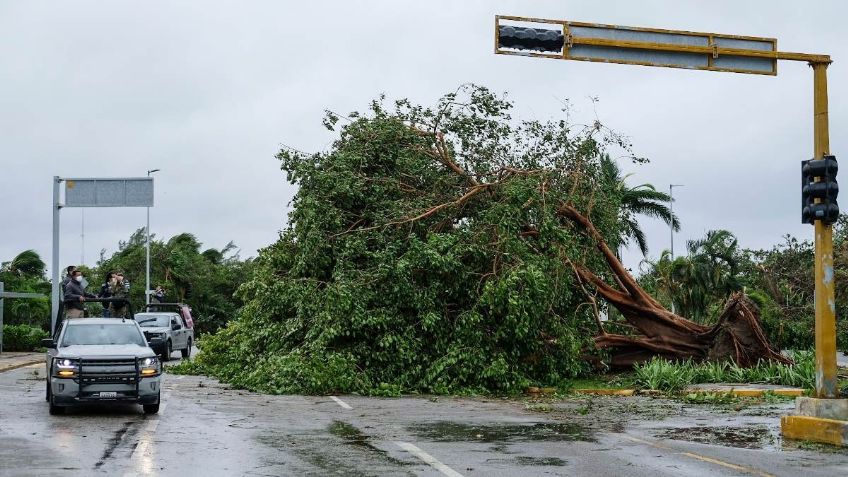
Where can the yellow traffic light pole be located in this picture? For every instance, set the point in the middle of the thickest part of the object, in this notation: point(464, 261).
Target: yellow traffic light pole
point(825, 290)
point(595, 42)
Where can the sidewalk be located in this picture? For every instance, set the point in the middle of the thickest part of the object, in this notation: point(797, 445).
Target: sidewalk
point(13, 360)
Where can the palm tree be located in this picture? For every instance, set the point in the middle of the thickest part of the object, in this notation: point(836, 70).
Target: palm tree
point(643, 199)
point(703, 278)
point(27, 264)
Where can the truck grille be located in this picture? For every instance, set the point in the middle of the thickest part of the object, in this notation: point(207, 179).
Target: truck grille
point(105, 371)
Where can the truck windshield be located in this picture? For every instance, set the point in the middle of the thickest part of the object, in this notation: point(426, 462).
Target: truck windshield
point(152, 321)
point(117, 334)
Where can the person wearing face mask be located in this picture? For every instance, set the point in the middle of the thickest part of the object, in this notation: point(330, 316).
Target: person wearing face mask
point(120, 289)
point(75, 296)
point(106, 292)
point(68, 277)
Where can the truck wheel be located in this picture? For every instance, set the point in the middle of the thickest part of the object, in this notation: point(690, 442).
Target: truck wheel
point(166, 354)
point(152, 408)
point(187, 351)
point(54, 409)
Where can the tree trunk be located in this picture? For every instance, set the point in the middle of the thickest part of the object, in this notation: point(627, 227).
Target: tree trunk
point(737, 335)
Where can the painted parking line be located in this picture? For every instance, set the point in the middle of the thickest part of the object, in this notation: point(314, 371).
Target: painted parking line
point(428, 459)
point(341, 403)
point(702, 458)
point(145, 441)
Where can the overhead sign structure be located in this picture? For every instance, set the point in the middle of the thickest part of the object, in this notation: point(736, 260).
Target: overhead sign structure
point(119, 192)
point(92, 192)
point(567, 40)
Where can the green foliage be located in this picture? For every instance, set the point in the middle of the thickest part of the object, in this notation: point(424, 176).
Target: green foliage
point(22, 337)
point(25, 274)
point(356, 296)
point(642, 199)
point(664, 375)
point(205, 280)
point(698, 283)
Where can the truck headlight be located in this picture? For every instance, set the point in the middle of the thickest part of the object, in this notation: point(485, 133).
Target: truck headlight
point(65, 367)
point(149, 366)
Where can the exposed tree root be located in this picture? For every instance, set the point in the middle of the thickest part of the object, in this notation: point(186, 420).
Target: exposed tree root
point(737, 335)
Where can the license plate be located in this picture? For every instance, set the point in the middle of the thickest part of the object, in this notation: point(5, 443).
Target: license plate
point(109, 394)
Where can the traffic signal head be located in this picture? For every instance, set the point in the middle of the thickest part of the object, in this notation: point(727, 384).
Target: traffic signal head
point(531, 39)
point(819, 190)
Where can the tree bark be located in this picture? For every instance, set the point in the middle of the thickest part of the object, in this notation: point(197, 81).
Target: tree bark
point(737, 335)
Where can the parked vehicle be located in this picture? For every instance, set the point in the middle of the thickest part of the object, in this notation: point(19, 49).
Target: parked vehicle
point(166, 332)
point(181, 308)
point(101, 361)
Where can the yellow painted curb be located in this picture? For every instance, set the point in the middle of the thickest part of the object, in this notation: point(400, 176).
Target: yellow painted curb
point(745, 392)
point(815, 429)
point(607, 392)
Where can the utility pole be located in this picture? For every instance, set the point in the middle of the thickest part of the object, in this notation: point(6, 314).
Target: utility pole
point(671, 228)
point(671, 225)
point(147, 251)
point(82, 237)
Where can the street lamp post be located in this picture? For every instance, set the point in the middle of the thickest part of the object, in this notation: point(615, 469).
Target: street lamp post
point(147, 251)
point(671, 208)
point(671, 227)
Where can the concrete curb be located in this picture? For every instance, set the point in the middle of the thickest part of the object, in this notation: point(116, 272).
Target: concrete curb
point(607, 392)
point(744, 391)
point(816, 429)
point(3, 369)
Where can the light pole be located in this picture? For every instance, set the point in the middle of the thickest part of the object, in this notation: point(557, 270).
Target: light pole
point(147, 250)
point(671, 228)
point(671, 209)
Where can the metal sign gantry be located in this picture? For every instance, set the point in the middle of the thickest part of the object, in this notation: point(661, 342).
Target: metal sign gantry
point(92, 192)
point(567, 40)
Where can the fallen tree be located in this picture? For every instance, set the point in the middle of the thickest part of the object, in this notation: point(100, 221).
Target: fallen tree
point(736, 336)
point(441, 250)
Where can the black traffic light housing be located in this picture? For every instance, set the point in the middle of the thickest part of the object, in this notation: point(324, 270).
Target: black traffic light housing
point(825, 189)
point(533, 39)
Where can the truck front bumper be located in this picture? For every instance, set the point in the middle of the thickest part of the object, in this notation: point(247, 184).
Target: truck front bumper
point(66, 392)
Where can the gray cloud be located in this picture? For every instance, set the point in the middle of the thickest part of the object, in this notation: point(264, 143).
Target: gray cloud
point(208, 91)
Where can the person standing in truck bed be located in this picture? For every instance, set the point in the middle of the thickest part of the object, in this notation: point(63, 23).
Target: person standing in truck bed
point(120, 289)
point(75, 296)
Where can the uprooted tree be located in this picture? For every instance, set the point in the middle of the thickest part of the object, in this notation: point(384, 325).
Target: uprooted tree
point(450, 248)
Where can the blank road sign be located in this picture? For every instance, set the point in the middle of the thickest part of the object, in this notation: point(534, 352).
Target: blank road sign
point(117, 192)
point(640, 46)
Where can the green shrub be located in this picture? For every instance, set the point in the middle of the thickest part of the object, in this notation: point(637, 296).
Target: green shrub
point(22, 337)
point(664, 375)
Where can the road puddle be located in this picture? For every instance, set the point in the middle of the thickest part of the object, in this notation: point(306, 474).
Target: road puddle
point(749, 437)
point(444, 431)
point(530, 461)
point(345, 451)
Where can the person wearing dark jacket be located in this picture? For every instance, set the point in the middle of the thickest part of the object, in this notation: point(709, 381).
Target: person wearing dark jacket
point(68, 277)
point(75, 296)
point(106, 292)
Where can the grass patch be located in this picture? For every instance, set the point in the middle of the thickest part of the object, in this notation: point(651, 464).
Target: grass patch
point(664, 375)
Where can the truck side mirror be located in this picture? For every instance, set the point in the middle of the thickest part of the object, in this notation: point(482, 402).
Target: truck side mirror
point(48, 343)
point(175, 327)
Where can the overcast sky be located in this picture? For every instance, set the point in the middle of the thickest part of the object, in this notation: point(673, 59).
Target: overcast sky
point(208, 91)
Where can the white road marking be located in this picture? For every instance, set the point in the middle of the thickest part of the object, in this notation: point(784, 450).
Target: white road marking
point(145, 441)
point(428, 459)
point(341, 403)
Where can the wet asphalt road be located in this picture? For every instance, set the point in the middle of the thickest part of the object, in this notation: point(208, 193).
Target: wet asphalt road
point(206, 429)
